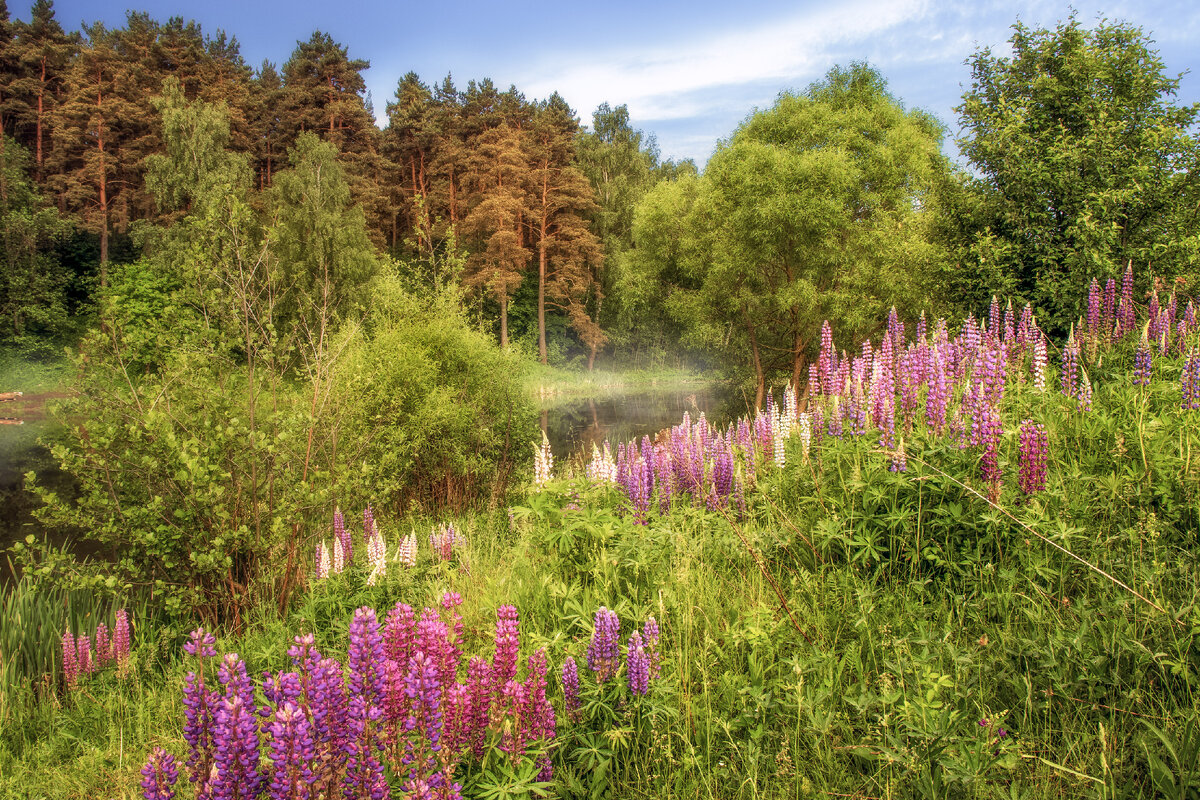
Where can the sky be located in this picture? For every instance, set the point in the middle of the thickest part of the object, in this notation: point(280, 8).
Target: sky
point(689, 72)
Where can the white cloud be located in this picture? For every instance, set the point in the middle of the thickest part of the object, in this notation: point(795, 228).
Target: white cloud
point(668, 81)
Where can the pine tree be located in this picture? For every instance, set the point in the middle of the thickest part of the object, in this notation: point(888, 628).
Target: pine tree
point(44, 51)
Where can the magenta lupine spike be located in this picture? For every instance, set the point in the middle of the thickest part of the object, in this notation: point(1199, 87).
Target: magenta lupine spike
point(433, 639)
point(1009, 331)
point(481, 688)
point(70, 656)
point(291, 752)
point(1024, 327)
point(993, 375)
point(511, 704)
point(456, 724)
point(1031, 460)
point(1154, 317)
point(1189, 383)
point(723, 475)
point(922, 328)
point(637, 664)
point(1143, 364)
point(664, 477)
point(159, 776)
point(937, 396)
point(103, 646)
point(87, 664)
point(365, 656)
point(121, 641)
point(989, 427)
point(570, 684)
point(236, 751)
point(910, 386)
point(330, 724)
point(993, 324)
point(395, 699)
point(504, 660)
point(603, 651)
point(537, 713)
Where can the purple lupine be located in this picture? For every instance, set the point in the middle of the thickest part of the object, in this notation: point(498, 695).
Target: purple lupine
point(423, 727)
point(279, 688)
point(199, 704)
point(603, 651)
point(1106, 313)
point(1125, 309)
point(235, 735)
point(1031, 459)
point(1143, 364)
point(1189, 383)
point(159, 775)
point(328, 708)
point(200, 644)
point(1093, 313)
point(364, 658)
point(1085, 393)
point(365, 778)
point(638, 665)
point(510, 705)
point(570, 684)
point(480, 686)
point(899, 458)
point(342, 536)
point(456, 724)
point(292, 751)
point(103, 646)
point(508, 641)
point(650, 636)
point(121, 641)
point(304, 655)
point(993, 327)
point(723, 475)
point(937, 396)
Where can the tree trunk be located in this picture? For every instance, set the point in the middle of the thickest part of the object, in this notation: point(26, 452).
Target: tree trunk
point(798, 362)
point(542, 295)
point(41, 93)
point(504, 323)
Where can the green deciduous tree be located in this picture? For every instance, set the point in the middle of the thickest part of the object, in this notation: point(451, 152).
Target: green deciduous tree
point(1085, 163)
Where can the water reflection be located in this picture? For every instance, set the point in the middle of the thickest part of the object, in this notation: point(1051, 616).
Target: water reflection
point(573, 426)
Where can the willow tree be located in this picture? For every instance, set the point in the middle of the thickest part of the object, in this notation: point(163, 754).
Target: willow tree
point(814, 209)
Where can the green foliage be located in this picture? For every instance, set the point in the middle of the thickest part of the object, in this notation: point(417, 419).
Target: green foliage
point(1086, 163)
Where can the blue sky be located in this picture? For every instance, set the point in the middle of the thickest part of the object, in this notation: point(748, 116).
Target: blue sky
point(689, 71)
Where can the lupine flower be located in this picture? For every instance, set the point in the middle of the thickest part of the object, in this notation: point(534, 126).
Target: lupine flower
point(236, 751)
point(103, 646)
point(424, 722)
point(83, 645)
point(339, 557)
point(364, 660)
point(341, 537)
point(543, 463)
point(989, 426)
point(70, 659)
point(328, 707)
point(1039, 362)
point(650, 637)
point(443, 540)
point(1069, 373)
point(1189, 383)
point(504, 661)
point(1085, 393)
point(121, 641)
point(159, 776)
point(364, 772)
point(200, 644)
point(406, 553)
point(1032, 457)
point(638, 665)
point(1143, 364)
point(292, 753)
point(570, 683)
point(323, 562)
point(804, 423)
point(603, 651)
point(481, 688)
point(899, 458)
point(376, 557)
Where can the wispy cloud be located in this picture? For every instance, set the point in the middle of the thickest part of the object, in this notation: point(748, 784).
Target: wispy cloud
point(669, 81)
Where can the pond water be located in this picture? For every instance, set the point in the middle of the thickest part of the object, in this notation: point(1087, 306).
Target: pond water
point(573, 425)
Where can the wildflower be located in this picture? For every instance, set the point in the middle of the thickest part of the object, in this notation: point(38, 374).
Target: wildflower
point(121, 641)
point(376, 557)
point(1068, 374)
point(83, 657)
point(504, 661)
point(323, 562)
point(651, 637)
point(804, 422)
point(570, 683)
point(1085, 393)
point(103, 646)
point(341, 537)
point(159, 776)
point(200, 644)
point(638, 664)
point(543, 463)
point(1189, 383)
point(365, 657)
point(339, 557)
point(443, 540)
point(70, 659)
point(1143, 363)
point(1031, 459)
point(603, 655)
point(235, 735)
point(292, 752)
point(406, 553)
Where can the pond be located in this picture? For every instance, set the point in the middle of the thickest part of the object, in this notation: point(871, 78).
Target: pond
point(573, 425)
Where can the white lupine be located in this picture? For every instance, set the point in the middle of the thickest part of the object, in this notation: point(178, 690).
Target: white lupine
point(376, 557)
point(804, 423)
point(339, 558)
point(777, 438)
point(406, 553)
point(602, 468)
point(543, 463)
point(323, 561)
